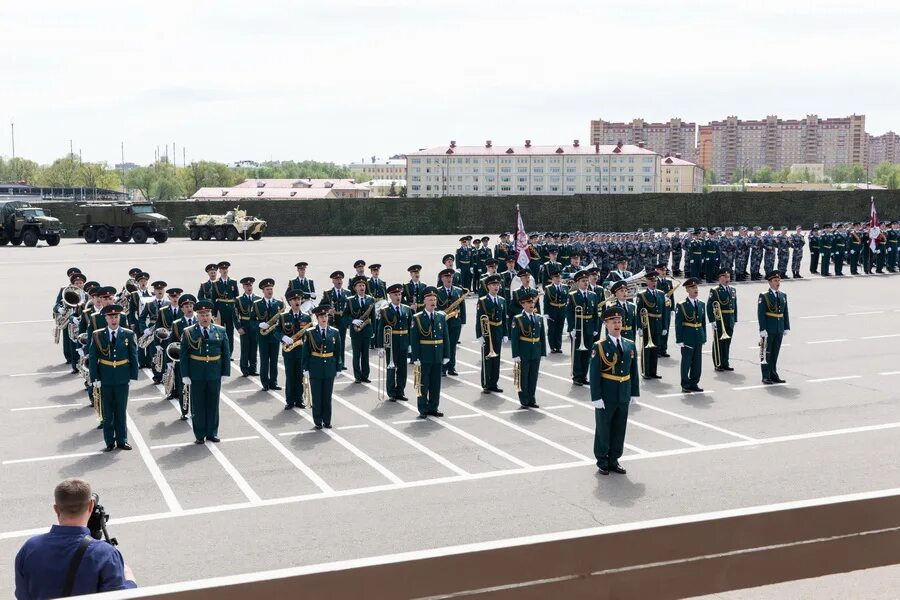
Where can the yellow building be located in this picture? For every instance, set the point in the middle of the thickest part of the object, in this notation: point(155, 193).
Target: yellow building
point(677, 175)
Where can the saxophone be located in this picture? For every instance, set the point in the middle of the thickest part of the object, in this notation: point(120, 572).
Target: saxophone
point(364, 318)
point(298, 338)
point(451, 310)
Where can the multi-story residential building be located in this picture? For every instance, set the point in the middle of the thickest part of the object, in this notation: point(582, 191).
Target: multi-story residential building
point(381, 169)
point(491, 170)
point(677, 175)
point(884, 148)
point(672, 137)
point(732, 146)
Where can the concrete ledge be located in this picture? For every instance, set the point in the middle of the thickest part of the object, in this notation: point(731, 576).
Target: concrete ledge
point(665, 558)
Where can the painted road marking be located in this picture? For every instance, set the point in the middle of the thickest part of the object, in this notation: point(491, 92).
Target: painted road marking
point(845, 377)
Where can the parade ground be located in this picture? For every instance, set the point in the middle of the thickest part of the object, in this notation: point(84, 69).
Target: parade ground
point(275, 494)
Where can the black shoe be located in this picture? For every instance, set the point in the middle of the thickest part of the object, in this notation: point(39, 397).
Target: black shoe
point(768, 381)
point(686, 391)
point(436, 413)
point(275, 387)
point(452, 372)
point(317, 427)
point(617, 468)
point(245, 374)
point(184, 417)
point(254, 374)
point(485, 390)
point(577, 382)
point(403, 398)
point(524, 406)
point(496, 389)
point(109, 448)
point(534, 405)
point(199, 441)
point(422, 416)
point(603, 470)
point(213, 438)
point(124, 446)
point(365, 380)
point(301, 405)
point(100, 426)
point(157, 381)
point(265, 388)
point(327, 426)
point(652, 377)
point(778, 380)
point(74, 371)
point(799, 276)
point(288, 406)
point(665, 355)
point(697, 389)
point(357, 381)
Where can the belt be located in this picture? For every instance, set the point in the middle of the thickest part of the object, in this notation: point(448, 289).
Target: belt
point(693, 324)
point(692, 252)
point(655, 315)
point(584, 316)
point(557, 305)
point(727, 312)
point(464, 262)
point(827, 247)
point(399, 331)
point(531, 340)
point(775, 315)
point(245, 318)
point(627, 328)
point(206, 358)
point(113, 363)
point(618, 378)
point(431, 342)
point(338, 312)
point(229, 300)
point(323, 354)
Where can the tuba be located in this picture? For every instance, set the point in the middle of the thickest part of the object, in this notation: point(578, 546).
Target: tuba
point(71, 300)
point(173, 353)
point(123, 298)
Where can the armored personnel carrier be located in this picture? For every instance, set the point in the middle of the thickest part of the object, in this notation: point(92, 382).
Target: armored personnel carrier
point(233, 225)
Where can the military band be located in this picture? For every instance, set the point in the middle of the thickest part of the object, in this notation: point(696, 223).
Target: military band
point(336, 299)
point(528, 343)
point(451, 301)
point(774, 324)
point(430, 343)
point(205, 360)
point(652, 314)
point(113, 366)
point(722, 312)
point(266, 314)
point(582, 323)
point(225, 292)
point(362, 320)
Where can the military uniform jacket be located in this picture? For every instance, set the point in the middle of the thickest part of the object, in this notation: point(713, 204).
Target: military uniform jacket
point(290, 324)
point(481, 255)
point(527, 336)
point(711, 249)
point(690, 324)
point(456, 279)
point(614, 374)
point(772, 312)
point(464, 257)
point(695, 249)
point(94, 322)
point(264, 314)
point(506, 280)
point(430, 341)
point(307, 286)
point(815, 242)
point(358, 307)
point(320, 352)
point(665, 285)
point(657, 313)
point(135, 303)
point(178, 328)
point(501, 251)
point(629, 321)
point(826, 243)
point(207, 291)
point(555, 299)
point(376, 288)
point(113, 365)
point(224, 294)
point(615, 276)
point(458, 316)
point(338, 300)
point(547, 268)
point(588, 301)
point(727, 298)
point(205, 359)
point(167, 316)
point(150, 313)
point(497, 317)
point(399, 321)
point(245, 313)
point(413, 293)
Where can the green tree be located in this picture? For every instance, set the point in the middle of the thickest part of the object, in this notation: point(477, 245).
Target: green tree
point(764, 175)
point(98, 175)
point(403, 191)
point(393, 190)
point(206, 174)
point(141, 179)
point(62, 173)
point(19, 170)
point(840, 174)
point(166, 187)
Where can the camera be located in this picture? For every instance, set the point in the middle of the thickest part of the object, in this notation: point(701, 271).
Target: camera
point(97, 522)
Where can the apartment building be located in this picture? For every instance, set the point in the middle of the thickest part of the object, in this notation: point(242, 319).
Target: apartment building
point(677, 175)
point(501, 170)
point(672, 137)
point(883, 148)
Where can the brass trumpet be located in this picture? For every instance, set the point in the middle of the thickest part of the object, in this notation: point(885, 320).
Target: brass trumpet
point(485, 322)
point(645, 323)
point(717, 313)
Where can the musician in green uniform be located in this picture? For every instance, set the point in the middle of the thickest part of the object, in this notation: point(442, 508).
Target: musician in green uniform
point(430, 342)
point(614, 386)
point(464, 262)
point(320, 365)
point(774, 324)
point(205, 360)
point(248, 327)
point(266, 313)
point(620, 273)
point(151, 323)
point(725, 297)
point(506, 279)
point(396, 317)
point(653, 302)
point(188, 318)
point(91, 321)
point(528, 339)
point(451, 300)
point(336, 298)
point(551, 264)
point(665, 285)
point(113, 364)
point(207, 289)
point(492, 328)
point(225, 291)
point(448, 261)
point(502, 250)
point(375, 286)
point(361, 308)
point(359, 266)
point(293, 324)
point(629, 312)
point(581, 321)
point(556, 295)
point(690, 335)
point(301, 283)
point(855, 247)
point(491, 266)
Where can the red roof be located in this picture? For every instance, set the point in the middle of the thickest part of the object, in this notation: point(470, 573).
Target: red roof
point(499, 149)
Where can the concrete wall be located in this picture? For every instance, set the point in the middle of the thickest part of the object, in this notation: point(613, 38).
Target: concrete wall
point(625, 212)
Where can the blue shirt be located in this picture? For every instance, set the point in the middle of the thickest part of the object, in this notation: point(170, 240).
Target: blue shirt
point(42, 564)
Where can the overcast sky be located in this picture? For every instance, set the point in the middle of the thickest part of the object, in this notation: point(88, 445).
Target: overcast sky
point(339, 80)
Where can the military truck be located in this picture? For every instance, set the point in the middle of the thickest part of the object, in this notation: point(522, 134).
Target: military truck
point(232, 225)
point(22, 223)
point(106, 222)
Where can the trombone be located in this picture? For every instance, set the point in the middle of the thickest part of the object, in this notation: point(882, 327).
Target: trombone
point(646, 344)
point(98, 403)
point(717, 313)
point(762, 351)
point(382, 377)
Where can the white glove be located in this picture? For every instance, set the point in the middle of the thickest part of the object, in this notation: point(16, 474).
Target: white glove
point(313, 296)
point(80, 352)
point(445, 361)
point(263, 326)
point(357, 322)
point(287, 339)
point(763, 334)
point(186, 380)
point(381, 352)
point(97, 384)
point(415, 362)
point(786, 331)
point(517, 359)
point(665, 332)
point(680, 345)
point(505, 339)
point(598, 403)
point(74, 319)
point(147, 331)
point(306, 373)
point(632, 401)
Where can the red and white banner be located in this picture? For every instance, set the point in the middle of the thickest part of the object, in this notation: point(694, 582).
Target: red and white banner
point(521, 241)
point(874, 228)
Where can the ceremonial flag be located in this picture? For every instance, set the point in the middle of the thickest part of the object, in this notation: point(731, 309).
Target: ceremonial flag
point(521, 241)
point(874, 229)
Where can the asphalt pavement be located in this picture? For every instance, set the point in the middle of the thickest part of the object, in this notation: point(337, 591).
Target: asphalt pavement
point(276, 494)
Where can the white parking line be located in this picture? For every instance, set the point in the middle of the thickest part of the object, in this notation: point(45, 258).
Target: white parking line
point(408, 421)
point(878, 337)
point(185, 444)
point(152, 466)
point(21, 322)
point(833, 378)
point(39, 373)
point(868, 312)
point(53, 457)
point(677, 394)
point(817, 316)
point(829, 341)
point(890, 373)
point(757, 387)
point(360, 426)
point(756, 347)
point(557, 406)
point(697, 422)
point(464, 416)
point(49, 406)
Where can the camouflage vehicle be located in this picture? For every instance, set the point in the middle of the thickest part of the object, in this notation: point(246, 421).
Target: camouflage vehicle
point(107, 222)
point(20, 222)
point(235, 224)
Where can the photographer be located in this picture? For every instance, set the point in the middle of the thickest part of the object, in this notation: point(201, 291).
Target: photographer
point(68, 561)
